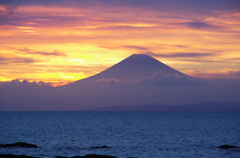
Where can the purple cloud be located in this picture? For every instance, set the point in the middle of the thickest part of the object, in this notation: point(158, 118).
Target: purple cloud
point(199, 25)
point(181, 54)
point(54, 53)
point(23, 84)
point(135, 47)
point(17, 60)
point(34, 52)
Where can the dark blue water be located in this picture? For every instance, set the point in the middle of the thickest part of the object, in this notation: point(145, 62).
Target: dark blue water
point(129, 134)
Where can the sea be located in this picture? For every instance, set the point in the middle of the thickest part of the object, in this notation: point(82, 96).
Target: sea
point(127, 134)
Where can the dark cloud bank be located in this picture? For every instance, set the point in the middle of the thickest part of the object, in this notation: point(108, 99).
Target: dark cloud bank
point(203, 4)
point(118, 85)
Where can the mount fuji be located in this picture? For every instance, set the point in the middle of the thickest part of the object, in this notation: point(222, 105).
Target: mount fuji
point(140, 68)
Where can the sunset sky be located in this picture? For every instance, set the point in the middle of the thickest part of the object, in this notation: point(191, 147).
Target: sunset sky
point(61, 41)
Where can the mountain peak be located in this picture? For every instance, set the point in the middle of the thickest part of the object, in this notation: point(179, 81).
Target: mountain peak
point(138, 60)
point(140, 57)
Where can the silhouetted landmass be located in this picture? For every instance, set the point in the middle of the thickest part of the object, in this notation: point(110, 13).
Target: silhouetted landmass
point(15, 156)
point(97, 147)
point(227, 146)
point(19, 144)
point(210, 106)
point(136, 80)
point(145, 107)
point(203, 106)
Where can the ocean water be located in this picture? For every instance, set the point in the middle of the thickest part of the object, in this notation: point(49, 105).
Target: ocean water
point(128, 134)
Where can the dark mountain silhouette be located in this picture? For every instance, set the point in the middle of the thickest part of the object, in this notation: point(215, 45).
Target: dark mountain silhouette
point(213, 106)
point(134, 68)
point(145, 107)
point(210, 106)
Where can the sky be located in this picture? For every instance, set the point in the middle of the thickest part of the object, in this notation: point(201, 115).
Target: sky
point(61, 41)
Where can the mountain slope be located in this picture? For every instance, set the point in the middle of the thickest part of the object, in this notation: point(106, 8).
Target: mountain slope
point(133, 68)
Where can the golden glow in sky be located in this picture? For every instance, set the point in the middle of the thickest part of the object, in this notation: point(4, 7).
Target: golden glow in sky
point(64, 41)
